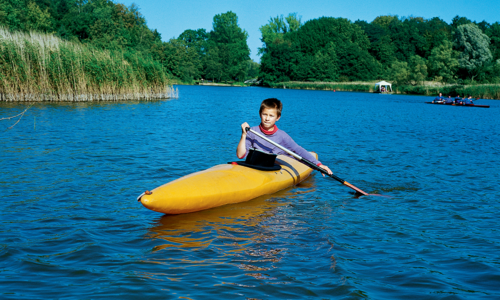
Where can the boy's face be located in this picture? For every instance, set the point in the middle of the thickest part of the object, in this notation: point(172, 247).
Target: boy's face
point(268, 118)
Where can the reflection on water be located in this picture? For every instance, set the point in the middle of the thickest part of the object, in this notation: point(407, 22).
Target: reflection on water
point(229, 223)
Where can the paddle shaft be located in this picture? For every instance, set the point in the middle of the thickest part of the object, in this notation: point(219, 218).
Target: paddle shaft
point(307, 162)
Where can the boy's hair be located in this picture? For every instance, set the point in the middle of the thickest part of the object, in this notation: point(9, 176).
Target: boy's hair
point(271, 103)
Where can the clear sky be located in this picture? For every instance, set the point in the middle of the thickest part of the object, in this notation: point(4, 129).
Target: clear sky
point(171, 18)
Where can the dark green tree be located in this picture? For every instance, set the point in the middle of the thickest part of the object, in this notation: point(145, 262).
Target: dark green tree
point(443, 64)
point(493, 33)
point(407, 38)
point(231, 42)
point(417, 70)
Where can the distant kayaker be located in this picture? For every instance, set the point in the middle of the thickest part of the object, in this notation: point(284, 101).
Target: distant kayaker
point(448, 100)
point(458, 100)
point(270, 113)
point(438, 99)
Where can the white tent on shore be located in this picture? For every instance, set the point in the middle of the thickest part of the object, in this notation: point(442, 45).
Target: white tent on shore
point(381, 84)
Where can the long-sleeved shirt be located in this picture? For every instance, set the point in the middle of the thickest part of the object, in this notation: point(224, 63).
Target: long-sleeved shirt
point(438, 99)
point(281, 138)
point(449, 100)
point(468, 101)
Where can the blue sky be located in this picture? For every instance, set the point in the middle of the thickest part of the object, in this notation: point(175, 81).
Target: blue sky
point(171, 18)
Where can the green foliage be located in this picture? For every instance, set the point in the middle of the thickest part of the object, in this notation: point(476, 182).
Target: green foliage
point(417, 70)
point(399, 73)
point(42, 67)
point(321, 49)
point(231, 43)
point(36, 19)
point(252, 70)
point(443, 62)
point(277, 28)
point(473, 46)
point(408, 50)
point(493, 32)
point(407, 37)
point(213, 65)
point(182, 61)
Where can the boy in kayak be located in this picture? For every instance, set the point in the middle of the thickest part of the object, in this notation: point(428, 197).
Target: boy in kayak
point(438, 99)
point(458, 100)
point(270, 113)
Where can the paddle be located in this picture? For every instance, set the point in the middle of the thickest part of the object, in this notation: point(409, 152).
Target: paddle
point(308, 163)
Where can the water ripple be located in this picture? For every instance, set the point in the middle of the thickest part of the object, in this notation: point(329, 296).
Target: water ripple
point(71, 227)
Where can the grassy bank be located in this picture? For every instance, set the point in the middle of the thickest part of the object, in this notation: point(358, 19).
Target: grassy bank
point(42, 67)
point(329, 86)
point(483, 91)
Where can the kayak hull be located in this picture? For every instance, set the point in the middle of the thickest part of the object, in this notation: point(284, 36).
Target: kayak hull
point(223, 184)
point(453, 104)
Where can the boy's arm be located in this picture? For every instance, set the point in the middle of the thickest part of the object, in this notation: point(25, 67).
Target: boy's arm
point(292, 145)
point(241, 150)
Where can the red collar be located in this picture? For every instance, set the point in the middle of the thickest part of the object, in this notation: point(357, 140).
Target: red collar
point(268, 132)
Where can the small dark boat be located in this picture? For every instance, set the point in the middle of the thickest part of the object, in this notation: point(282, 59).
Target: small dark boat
point(453, 104)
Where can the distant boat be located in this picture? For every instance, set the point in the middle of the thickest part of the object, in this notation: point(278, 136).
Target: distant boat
point(453, 104)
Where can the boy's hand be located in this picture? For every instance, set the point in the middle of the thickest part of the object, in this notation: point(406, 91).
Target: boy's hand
point(243, 128)
point(326, 169)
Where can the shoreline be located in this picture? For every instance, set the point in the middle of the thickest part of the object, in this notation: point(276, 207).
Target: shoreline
point(168, 93)
point(482, 91)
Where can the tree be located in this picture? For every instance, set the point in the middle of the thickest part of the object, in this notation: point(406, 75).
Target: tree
point(182, 61)
point(407, 38)
point(443, 63)
point(417, 70)
point(279, 61)
point(213, 65)
point(253, 69)
point(349, 41)
point(196, 39)
point(473, 46)
point(493, 33)
point(231, 41)
point(37, 19)
point(399, 72)
point(278, 26)
point(457, 21)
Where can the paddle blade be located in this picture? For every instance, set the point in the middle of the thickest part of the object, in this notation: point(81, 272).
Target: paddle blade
point(358, 191)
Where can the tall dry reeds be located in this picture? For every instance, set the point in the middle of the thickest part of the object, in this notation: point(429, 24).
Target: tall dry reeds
point(42, 67)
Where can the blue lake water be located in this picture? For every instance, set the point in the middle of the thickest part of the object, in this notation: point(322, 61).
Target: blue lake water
point(70, 225)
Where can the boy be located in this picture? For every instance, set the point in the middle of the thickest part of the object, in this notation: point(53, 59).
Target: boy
point(270, 113)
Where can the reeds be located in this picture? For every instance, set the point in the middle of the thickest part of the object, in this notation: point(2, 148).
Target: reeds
point(42, 67)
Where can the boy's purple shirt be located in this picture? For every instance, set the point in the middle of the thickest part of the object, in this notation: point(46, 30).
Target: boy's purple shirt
point(280, 137)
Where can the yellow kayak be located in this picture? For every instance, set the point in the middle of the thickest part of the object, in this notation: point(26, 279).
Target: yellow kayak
point(223, 184)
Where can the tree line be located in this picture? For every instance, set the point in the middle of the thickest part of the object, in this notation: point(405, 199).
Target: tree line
point(405, 50)
point(221, 54)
